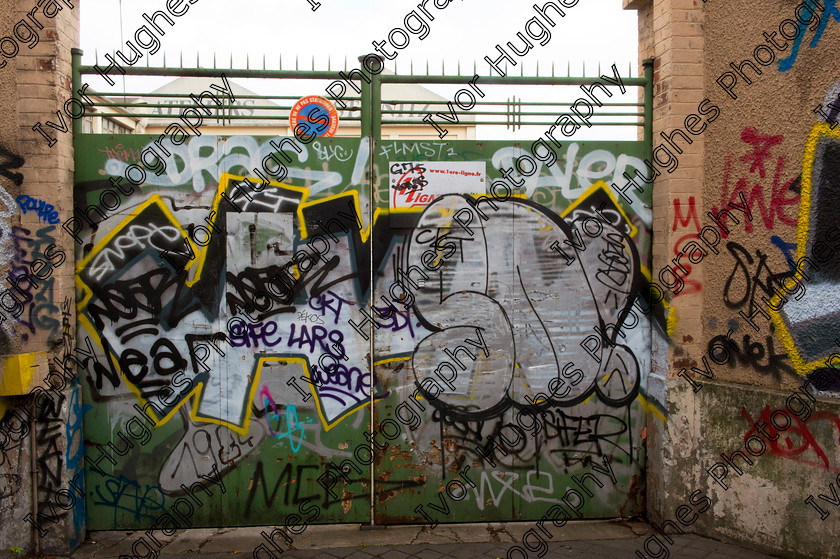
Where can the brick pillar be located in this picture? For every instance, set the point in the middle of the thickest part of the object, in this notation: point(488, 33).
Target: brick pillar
point(671, 32)
point(39, 400)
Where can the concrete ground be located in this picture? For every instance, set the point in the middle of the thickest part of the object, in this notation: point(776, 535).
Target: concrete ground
point(590, 539)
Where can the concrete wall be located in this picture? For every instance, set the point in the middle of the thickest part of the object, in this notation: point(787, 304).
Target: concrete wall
point(757, 145)
point(37, 320)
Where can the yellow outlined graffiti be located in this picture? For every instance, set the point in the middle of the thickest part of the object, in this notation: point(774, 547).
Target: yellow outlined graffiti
point(364, 233)
point(601, 185)
point(819, 131)
point(319, 404)
point(155, 199)
point(194, 268)
point(224, 182)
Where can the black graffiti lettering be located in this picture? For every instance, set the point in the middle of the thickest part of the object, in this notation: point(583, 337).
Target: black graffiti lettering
point(166, 361)
point(284, 475)
point(754, 274)
point(272, 284)
point(760, 356)
point(100, 372)
point(123, 299)
point(11, 161)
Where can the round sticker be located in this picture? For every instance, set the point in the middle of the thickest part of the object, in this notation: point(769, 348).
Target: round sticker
point(315, 115)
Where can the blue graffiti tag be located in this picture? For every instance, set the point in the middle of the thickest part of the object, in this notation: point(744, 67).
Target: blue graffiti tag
point(46, 212)
point(292, 423)
point(788, 249)
point(75, 453)
point(830, 11)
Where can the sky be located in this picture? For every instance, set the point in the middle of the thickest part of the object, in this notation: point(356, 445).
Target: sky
point(592, 32)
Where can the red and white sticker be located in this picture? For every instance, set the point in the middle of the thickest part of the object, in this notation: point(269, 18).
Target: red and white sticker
point(417, 184)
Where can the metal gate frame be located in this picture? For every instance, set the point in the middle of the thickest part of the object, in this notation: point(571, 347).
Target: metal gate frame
point(372, 115)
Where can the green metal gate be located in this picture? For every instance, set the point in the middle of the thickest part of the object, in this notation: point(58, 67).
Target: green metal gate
point(237, 334)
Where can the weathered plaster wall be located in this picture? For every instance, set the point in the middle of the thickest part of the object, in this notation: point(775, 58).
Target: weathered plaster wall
point(758, 146)
point(38, 319)
point(670, 32)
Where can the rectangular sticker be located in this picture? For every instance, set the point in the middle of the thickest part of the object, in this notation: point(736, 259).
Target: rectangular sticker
point(417, 184)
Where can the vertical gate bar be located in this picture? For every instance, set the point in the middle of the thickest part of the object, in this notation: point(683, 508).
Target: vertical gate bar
point(376, 135)
point(366, 103)
point(33, 464)
point(376, 110)
point(76, 85)
point(366, 129)
point(648, 124)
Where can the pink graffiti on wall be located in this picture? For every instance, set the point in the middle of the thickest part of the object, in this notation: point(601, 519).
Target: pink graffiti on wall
point(121, 153)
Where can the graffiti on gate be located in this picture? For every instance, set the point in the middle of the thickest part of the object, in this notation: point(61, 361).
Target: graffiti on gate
point(236, 313)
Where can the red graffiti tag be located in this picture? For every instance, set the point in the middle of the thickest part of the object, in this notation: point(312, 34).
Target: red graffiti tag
point(784, 446)
point(780, 196)
point(684, 222)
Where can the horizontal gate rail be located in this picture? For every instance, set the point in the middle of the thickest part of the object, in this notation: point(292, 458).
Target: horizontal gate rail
point(372, 111)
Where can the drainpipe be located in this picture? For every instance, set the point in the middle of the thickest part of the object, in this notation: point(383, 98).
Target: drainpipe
point(647, 64)
point(34, 467)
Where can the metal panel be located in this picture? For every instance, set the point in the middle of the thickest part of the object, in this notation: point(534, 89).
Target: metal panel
point(195, 310)
point(242, 320)
point(500, 386)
